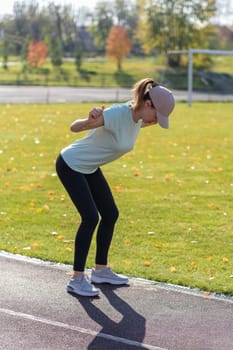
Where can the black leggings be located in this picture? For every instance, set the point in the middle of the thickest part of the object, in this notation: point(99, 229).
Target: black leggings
point(91, 196)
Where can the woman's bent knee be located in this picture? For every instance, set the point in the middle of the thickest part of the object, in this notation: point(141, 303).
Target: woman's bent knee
point(90, 220)
point(111, 216)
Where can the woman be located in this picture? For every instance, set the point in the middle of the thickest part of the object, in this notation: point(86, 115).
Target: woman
point(113, 133)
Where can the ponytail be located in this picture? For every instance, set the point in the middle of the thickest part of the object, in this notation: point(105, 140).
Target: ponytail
point(140, 91)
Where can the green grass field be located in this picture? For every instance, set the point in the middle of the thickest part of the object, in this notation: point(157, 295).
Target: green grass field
point(102, 73)
point(174, 193)
point(99, 72)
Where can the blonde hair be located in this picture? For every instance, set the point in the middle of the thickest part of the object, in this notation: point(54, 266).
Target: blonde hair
point(140, 92)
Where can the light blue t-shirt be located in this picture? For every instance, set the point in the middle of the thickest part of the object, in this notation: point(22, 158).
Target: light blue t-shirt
point(104, 144)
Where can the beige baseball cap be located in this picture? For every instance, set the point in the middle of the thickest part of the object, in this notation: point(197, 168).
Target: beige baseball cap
point(164, 103)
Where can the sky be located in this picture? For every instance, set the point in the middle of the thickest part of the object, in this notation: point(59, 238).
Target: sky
point(6, 6)
point(225, 15)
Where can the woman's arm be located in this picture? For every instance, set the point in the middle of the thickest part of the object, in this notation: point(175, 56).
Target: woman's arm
point(95, 120)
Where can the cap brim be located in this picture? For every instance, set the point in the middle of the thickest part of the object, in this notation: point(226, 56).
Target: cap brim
point(163, 121)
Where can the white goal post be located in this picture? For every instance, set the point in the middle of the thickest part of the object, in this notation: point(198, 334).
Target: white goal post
point(190, 53)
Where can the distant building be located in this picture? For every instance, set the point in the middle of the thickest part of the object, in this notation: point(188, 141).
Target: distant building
point(85, 39)
point(225, 35)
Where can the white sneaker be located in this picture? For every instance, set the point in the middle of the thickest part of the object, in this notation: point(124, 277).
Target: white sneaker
point(106, 275)
point(81, 286)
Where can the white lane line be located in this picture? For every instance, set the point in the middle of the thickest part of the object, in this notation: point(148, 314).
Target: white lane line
point(78, 329)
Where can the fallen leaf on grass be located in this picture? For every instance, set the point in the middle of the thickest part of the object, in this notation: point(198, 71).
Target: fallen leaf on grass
point(126, 241)
point(173, 269)
point(68, 249)
point(127, 262)
point(60, 237)
point(32, 205)
point(168, 176)
point(137, 174)
point(150, 177)
point(117, 188)
point(213, 206)
point(62, 197)
point(34, 246)
point(45, 207)
point(193, 265)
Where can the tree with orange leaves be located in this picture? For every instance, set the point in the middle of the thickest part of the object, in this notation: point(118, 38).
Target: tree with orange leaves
point(118, 45)
point(37, 53)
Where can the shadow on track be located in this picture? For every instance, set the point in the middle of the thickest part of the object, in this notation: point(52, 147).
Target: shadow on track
point(129, 331)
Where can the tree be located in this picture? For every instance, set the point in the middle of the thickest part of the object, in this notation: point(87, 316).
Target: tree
point(126, 15)
point(109, 13)
point(102, 22)
point(173, 24)
point(5, 54)
point(60, 26)
point(37, 53)
point(78, 55)
point(118, 45)
point(56, 52)
point(22, 26)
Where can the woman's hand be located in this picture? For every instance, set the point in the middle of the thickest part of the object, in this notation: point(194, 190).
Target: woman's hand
point(94, 120)
point(96, 112)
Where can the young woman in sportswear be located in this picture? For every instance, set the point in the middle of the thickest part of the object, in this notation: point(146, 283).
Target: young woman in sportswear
point(113, 132)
